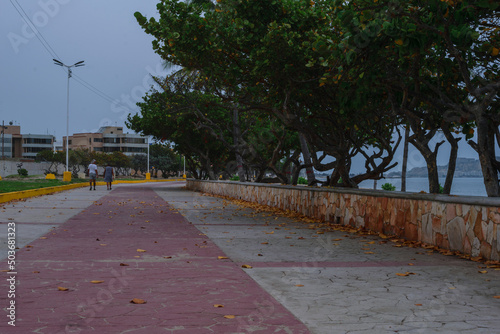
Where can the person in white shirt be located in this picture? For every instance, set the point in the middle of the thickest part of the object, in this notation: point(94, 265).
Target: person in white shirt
point(92, 173)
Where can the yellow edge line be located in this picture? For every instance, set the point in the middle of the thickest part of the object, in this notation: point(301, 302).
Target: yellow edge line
point(15, 195)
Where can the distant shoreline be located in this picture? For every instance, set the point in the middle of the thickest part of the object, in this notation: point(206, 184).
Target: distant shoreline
point(424, 177)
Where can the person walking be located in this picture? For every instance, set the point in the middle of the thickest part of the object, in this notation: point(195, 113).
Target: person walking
point(108, 176)
point(92, 174)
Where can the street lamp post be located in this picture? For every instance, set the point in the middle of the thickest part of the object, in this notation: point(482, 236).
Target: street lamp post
point(78, 64)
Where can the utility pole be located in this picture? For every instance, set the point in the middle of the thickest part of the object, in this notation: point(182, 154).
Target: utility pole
point(78, 64)
point(3, 130)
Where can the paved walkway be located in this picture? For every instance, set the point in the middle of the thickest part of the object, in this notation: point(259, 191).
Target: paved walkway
point(156, 258)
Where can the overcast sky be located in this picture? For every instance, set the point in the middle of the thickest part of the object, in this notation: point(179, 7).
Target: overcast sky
point(118, 60)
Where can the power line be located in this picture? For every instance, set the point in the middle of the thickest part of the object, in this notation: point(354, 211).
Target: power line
point(53, 54)
point(38, 35)
point(100, 93)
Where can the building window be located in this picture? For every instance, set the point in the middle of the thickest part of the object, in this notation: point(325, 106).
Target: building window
point(97, 140)
point(134, 140)
point(34, 149)
point(134, 150)
point(37, 141)
point(112, 140)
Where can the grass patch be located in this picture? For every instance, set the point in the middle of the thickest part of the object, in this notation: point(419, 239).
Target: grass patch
point(7, 186)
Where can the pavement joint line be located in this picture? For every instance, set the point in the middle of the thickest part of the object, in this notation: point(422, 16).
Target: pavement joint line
point(21, 222)
point(315, 265)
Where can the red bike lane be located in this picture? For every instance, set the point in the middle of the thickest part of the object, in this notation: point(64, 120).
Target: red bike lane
point(130, 263)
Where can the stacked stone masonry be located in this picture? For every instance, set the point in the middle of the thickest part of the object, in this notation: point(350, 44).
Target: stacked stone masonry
point(469, 225)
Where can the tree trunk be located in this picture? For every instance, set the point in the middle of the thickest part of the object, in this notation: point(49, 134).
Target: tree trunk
point(236, 138)
point(452, 162)
point(295, 174)
point(430, 160)
point(432, 173)
point(486, 151)
point(340, 177)
point(405, 159)
point(311, 178)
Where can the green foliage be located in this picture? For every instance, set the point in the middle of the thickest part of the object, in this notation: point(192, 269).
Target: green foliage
point(22, 172)
point(234, 178)
point(344, 74)
point(27, 184)
point(301, 180)
point(164, 159)
point(139, 162)
point(388, 187)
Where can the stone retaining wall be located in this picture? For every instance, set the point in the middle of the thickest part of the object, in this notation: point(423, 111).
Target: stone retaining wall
point(466, 224)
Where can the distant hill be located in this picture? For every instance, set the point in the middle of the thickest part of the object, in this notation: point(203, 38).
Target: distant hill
point(466, 167)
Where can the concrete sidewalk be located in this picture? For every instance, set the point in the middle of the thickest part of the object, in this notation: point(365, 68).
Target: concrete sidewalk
point(198, 264)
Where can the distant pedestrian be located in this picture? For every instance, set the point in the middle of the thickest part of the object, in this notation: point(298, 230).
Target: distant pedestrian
point(92, 174)
point(108, 176)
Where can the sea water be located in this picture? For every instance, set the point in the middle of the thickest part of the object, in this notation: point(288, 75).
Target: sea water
point(463, 186)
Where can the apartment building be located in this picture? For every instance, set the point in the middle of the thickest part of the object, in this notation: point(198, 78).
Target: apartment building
point(13, 144)
point(108, 139)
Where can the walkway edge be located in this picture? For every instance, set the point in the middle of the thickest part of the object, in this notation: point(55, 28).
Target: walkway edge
point(16, 195)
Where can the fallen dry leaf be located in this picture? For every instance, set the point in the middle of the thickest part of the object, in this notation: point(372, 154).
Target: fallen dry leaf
point(299, 285)
point(482, 271)
point(60, 288)
point(218, 305)
point(229, 316)
point(123, 264)
point(96, 282)
point(222, 257)
point(496, 297)
point(246, 266)
point(138, 301)
point(140, 250)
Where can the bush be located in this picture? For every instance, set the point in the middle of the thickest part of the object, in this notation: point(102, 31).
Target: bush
point(22, 172)
point(388, 186)
point(235, 178)
point(301, 180)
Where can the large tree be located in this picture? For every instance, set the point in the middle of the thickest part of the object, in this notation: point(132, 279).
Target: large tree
point(260, 52)
point(440, 68)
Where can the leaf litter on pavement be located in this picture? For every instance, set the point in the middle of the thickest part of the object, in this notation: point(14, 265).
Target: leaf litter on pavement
point(254, 209)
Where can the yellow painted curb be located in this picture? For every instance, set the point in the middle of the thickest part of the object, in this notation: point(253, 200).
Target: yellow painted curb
point(15, 195)
point(6, 197)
